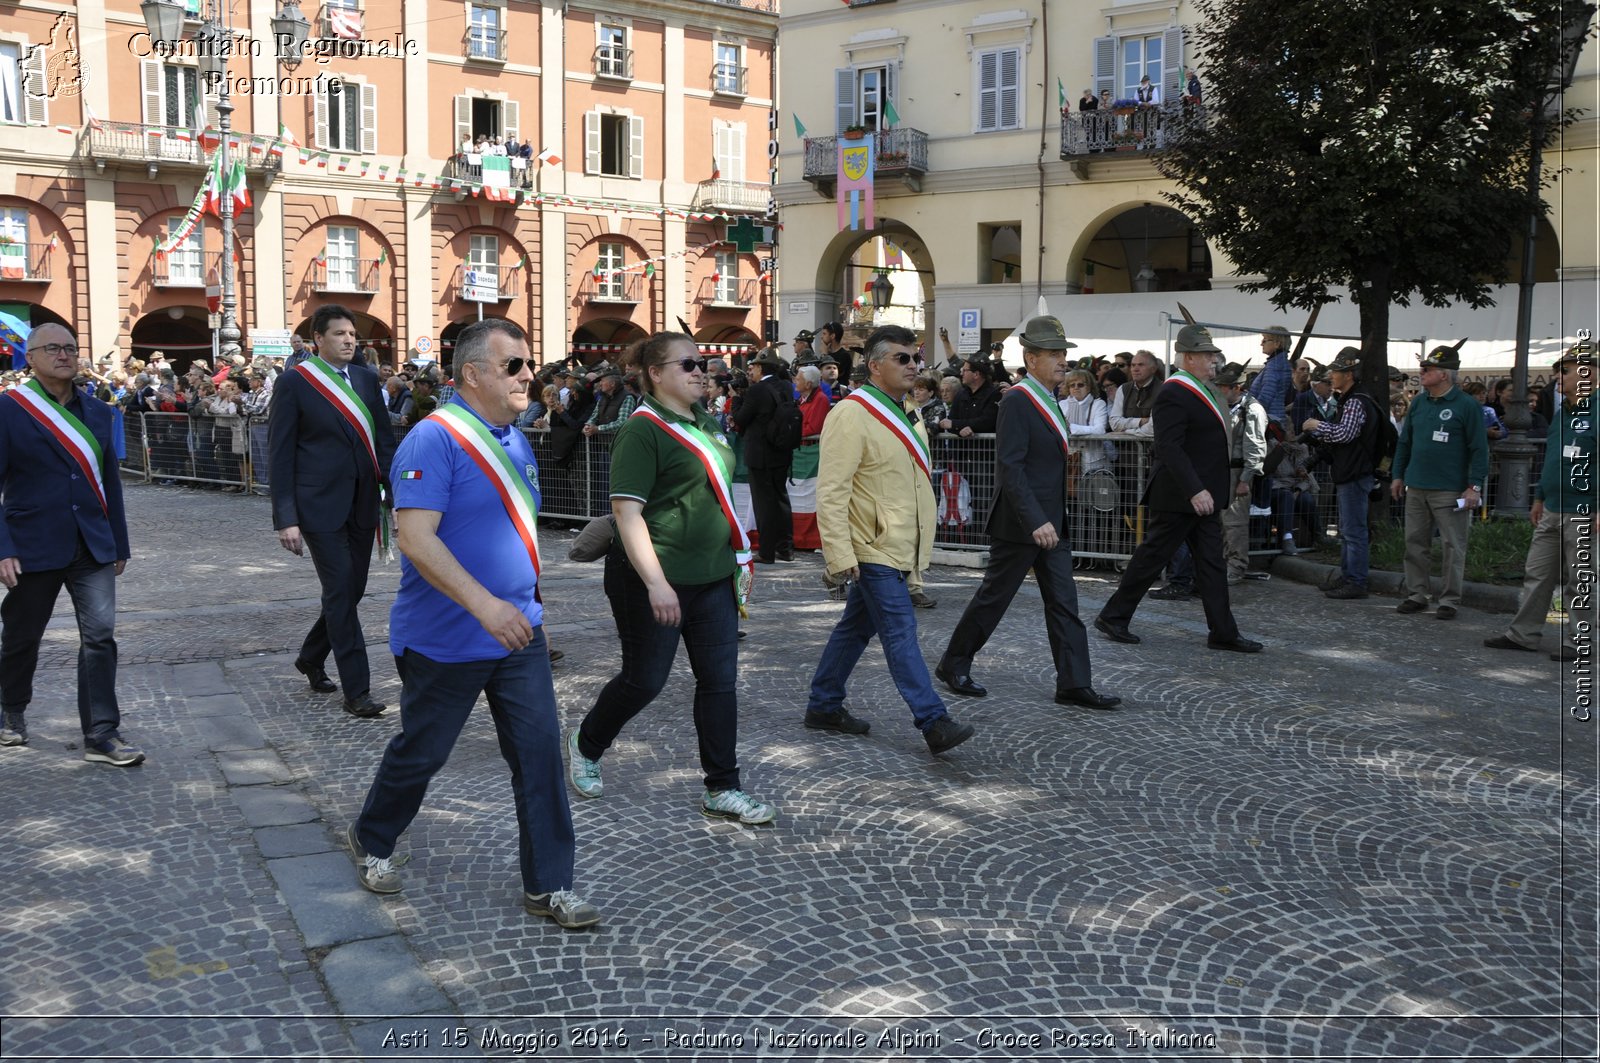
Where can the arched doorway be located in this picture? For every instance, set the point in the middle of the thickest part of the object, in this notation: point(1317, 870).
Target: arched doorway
point(448, 334)
point(852, 263)
point(373, 332)
point(724, 341)
point(1546, 256)
point(180, 332)
point(595, 341)
point(1144, 248)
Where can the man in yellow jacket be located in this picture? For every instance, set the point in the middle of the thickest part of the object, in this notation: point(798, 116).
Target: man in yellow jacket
point(875, 511)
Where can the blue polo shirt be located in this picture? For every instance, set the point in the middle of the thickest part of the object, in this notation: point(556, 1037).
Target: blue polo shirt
point(431, 471)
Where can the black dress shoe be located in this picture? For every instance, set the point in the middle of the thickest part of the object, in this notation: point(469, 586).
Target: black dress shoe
point(959, 683)
point(1086, 697)
point(1115, 632)
point(317, 676)
point(1236, 644)
point(363, 706)
point(840, 721)
point(945, 734)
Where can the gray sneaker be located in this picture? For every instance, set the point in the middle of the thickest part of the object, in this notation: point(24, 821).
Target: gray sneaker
point(570, 911)
point(736, 804)
point(376, 873)
point(13, 731)
point(584, 773)
point(111, 750)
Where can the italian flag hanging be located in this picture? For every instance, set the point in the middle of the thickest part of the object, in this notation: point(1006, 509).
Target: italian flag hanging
point(497, 178)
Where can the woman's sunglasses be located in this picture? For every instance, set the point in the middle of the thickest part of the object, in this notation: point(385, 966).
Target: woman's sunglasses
point(691, 365)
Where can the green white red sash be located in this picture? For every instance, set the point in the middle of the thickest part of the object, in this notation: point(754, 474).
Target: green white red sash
point(1184, 380)
point(1046, 404)
point(717, 472)
point(496, 465)
point(891, 416)
point(337, 390)
point(72, 434)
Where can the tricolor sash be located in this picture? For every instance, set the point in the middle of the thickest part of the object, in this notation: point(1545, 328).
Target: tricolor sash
point(891, 416)
point(718, 473)
point(1045, 403)
point(333, 387)
point(496, 465)
point(70, 433)
point(1185, 380)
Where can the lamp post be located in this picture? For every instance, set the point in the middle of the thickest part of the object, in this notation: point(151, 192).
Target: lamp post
point(1514, 453)
point(214, 44)
point(882, 292)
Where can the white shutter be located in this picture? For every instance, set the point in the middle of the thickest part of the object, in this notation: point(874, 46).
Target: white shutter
point(1171, 63)
point(209, 104)
point(1009, 90)
point(988, 89)
point(735, 152)
point(151, 88)
point(591, 142)
point(844, 99)
point(1105, 65)
point(319, 119)
point(34, 109)
point(635, 146)
point(463, 119)
point(510, 121)
point(369, 119)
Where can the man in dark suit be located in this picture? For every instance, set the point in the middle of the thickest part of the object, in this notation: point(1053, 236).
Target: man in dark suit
point(1187, 490)
point(62, 524)
point(330, 446)
point(1025, 528)
point(768, 393)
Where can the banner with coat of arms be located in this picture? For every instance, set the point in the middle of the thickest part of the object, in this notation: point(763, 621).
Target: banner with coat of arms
point(854, 189)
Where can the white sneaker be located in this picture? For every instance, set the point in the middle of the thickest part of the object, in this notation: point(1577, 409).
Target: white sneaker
point(584, 773)
point(736, 804)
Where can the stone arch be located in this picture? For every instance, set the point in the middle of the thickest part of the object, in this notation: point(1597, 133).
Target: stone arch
point(1123, 239)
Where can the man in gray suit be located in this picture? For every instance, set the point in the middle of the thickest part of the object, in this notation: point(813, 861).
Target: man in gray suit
point(1025, 528)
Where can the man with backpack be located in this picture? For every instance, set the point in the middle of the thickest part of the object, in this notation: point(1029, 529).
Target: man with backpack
point(768, 421)
point(1354, 448)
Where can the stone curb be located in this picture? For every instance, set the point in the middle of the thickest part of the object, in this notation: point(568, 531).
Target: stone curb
point(1488, 597)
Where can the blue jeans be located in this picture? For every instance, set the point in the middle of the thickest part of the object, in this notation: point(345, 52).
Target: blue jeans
point(710, 634)
point(23, 616)
point(1353, 542)
point(435, 700)
point(1180, 570)
point(879, 604)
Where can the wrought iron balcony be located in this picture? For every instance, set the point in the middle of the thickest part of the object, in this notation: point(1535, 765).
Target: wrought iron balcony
point(612, 61)
point(24, 262)
point(728, 293)
point(186, 269)
point(616, 288)
point(484, 42)
point(487, 278)
point(458, 168)
point(723, 194)
point(1127, 129)
point(729, 79)
point(901, 152)
point(350, 276)
point(152, 146)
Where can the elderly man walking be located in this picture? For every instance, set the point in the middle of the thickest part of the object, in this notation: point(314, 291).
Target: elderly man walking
point(1440, 463)
point(875, 511)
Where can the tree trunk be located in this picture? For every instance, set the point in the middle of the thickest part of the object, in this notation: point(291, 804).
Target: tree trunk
point(1373, 294)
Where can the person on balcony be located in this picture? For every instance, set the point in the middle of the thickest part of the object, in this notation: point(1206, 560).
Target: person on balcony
point(1148, 93)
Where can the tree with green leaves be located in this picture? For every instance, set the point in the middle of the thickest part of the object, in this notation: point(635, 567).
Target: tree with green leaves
point(1378, 144)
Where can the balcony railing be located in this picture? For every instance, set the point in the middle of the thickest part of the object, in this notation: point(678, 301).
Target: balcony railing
point(611, 61)
point(1128, 129)
point(854, 316)
point(899, 152)
point(741, 294)
point(618, 288)
point(723, 194)
point(728, 79)
point(24, 262)
point(133, 142)
point(505, 280)
point(770, 6)
point(354, 276)
point(186, 269)
point(484, 42)
point(458, 168)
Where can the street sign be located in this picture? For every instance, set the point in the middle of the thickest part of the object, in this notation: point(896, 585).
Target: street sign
point(969, 338)
point(213, 321)
point(423, 344)
point(800, 308)
point(273, 343)
point(480, 286)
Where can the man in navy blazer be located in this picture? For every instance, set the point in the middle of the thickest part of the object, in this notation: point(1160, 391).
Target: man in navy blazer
point(1187, 492)
point(1025, 527)
point(325, 477)
point(62, 524)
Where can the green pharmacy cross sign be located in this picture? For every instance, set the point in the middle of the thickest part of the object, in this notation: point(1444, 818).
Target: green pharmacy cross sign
point(745, 234)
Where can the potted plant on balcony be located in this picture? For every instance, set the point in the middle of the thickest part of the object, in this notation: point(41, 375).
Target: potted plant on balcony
point(891, 160)
point(855, 132)
point(1127, 140)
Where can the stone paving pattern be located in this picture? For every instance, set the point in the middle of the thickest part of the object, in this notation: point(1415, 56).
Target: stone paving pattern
point(1373, 839)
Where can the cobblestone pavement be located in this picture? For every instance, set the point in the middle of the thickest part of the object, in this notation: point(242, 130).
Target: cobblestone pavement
point(1375, 839)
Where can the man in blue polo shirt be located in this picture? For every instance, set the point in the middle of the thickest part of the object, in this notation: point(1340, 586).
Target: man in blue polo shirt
point(468, 620)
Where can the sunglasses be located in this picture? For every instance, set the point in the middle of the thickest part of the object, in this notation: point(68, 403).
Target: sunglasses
point(515, 365)
point(906, 359)
point(692, 365)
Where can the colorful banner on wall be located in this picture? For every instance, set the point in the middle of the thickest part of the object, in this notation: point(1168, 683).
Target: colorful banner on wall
point(854, 188)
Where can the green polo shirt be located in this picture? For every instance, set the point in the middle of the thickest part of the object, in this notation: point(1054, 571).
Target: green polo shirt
point(686, 522)
point(1567, 483)
point(1443, 444)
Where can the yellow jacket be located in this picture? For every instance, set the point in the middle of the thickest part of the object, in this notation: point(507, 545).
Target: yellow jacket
point(875, 505)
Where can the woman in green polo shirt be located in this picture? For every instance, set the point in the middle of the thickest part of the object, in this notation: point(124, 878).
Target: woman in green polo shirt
point(672, 574)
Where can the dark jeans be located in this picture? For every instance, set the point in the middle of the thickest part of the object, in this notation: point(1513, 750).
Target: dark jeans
point(24, 613)
point(710, 634)
point(1288, 505)
point(1353, 541)
point(1180, 570)
point(342, 558)
point(769, 495)
point(879, 604)
point(435, 700)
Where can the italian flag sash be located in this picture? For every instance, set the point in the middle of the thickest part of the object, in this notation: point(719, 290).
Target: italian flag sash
point(1045, 403)
point(333, 387)
point(72, 434)
point(891, 416)
point(1184, 380)
point(496, 465)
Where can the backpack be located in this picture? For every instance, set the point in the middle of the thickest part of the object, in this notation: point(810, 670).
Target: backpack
point(783, 427)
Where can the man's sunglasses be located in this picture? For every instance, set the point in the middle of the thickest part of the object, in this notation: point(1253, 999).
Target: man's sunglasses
point(906, 359)
point(514, 366)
